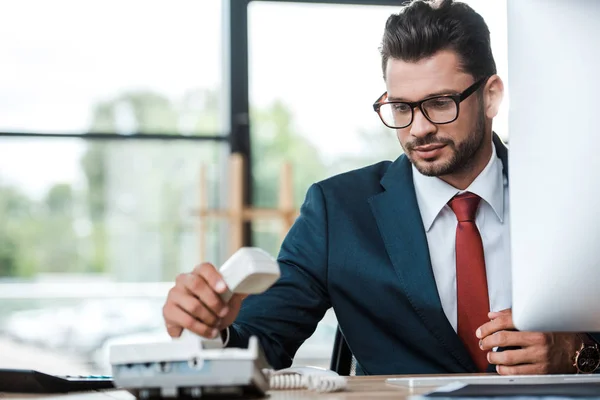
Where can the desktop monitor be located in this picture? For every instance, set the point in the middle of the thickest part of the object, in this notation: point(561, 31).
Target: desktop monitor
point(554, 163)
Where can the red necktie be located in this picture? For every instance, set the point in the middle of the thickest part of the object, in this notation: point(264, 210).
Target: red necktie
point(471, 282)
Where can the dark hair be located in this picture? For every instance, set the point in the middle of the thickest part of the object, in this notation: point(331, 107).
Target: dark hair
point(423, 28)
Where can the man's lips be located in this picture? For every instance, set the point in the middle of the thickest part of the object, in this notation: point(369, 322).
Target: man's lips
point(429, 147)
point(429, 151)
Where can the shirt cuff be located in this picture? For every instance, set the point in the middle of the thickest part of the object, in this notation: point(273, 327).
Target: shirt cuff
point(225, 336)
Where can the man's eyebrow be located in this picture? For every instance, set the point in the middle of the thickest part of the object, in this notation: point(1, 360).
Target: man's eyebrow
point(438, 93)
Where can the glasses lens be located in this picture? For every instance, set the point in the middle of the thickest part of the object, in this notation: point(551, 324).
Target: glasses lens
point(440, 109)
point(396, 115)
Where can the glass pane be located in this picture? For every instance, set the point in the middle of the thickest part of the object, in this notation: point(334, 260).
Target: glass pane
point(110, 66)
point(89, 231)
point(311, 101)
point(72, 336)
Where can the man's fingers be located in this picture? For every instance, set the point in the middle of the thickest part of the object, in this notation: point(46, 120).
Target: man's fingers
point(526, 369)
point(496, 314)
point(511, 357)
point(501, 323)
point(193, 306)
point(174, 331)
point(212, 277)
point(509, 338)
point(196, 284)
point(175, 316)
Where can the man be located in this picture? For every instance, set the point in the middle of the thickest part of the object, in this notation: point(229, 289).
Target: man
point(412, 255)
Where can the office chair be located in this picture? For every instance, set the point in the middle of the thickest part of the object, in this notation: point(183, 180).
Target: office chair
point(342, 360)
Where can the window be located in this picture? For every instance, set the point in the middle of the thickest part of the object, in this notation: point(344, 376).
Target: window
point(69, 64)
point(109, 109)
point(95, 228)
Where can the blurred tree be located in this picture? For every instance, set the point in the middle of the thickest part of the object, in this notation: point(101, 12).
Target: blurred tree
point(16, 243)
point(8, 256)
point(41, 236)
point(156, 176)
point(56, 240)
point(199, 113)
point(59, 199)
point(94, 169)
point(38, 236)
point(274, 142)
point(377, 145)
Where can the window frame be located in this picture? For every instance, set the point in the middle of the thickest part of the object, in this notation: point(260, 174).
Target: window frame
point(236, 107)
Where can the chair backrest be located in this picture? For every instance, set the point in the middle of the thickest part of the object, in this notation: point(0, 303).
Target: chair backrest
point(341, 357)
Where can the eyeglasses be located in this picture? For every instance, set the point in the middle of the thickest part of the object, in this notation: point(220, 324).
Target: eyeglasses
point(438, 110)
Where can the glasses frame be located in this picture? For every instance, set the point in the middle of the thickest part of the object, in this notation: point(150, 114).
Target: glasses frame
point(457, 98)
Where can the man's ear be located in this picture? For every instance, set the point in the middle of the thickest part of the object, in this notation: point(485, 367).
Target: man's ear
point(492, 96)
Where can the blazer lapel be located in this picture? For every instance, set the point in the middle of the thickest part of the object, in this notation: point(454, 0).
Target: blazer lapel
point(399, 220)
point(502, 152)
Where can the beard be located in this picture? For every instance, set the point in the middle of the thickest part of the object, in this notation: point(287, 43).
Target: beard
point(462, 153)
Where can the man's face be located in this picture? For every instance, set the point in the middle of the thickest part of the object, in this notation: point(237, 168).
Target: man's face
point(443, 149)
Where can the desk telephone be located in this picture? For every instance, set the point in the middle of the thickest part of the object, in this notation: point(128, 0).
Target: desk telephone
point(190, 365)
point(195, 366)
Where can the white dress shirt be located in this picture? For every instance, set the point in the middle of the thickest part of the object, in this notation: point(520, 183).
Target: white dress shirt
point(492, 220)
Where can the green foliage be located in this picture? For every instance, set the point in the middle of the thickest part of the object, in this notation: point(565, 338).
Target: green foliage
point(376, 145)
point(78, 229)
point(59, 200)
point(94, 169)
point(37, 236)
point(275, 142)
point(164, 181)
point(14, 207)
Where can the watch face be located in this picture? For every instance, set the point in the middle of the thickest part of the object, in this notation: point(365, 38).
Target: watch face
point(588, 359)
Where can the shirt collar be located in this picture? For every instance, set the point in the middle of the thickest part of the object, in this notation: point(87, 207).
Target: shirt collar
point(433, 193)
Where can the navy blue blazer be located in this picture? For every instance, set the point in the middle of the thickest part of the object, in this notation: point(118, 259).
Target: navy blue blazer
point(359, 246)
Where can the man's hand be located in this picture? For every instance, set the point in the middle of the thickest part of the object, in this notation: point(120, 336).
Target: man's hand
point(539, 353)
point(195, 303)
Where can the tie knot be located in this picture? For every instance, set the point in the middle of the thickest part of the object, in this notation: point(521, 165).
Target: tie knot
point(465, 206)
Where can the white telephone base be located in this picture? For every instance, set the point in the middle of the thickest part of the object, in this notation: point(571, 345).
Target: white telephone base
point(231, 372)
point(191, 366)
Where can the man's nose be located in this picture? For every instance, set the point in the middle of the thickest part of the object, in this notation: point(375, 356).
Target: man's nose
point(421, 126)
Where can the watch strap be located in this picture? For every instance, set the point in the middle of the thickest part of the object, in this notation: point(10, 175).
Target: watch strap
point(587, 339)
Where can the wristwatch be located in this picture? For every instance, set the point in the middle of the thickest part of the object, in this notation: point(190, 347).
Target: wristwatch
point(587, 358)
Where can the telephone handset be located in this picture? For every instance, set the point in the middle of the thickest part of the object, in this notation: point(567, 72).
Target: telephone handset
point(250, 270)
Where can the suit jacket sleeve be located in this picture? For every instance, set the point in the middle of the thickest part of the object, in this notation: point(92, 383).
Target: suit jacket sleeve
point(287, 313)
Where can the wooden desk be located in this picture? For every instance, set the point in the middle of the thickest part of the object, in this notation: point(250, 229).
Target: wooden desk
point(359, 387)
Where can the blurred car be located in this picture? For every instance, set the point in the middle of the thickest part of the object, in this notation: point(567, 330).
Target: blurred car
point(84, 326)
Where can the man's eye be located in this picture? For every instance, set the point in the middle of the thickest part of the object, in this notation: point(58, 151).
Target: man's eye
point(441, 103)
point(401, 108)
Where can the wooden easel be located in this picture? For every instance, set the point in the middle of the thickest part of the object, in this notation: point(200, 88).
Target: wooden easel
point(237, 213)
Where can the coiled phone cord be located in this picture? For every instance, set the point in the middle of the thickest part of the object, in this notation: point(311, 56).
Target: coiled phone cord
point(282, 380)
